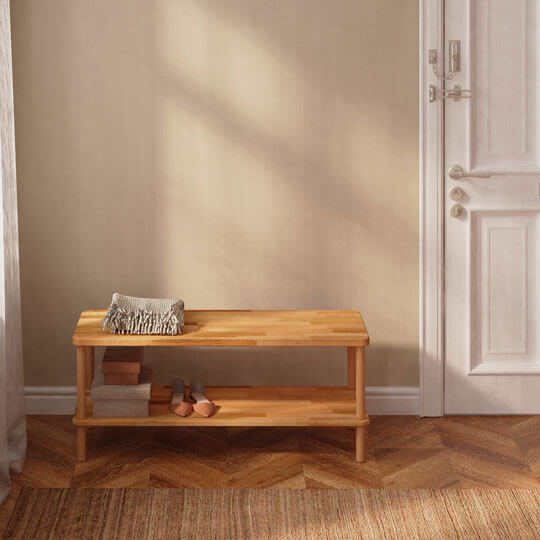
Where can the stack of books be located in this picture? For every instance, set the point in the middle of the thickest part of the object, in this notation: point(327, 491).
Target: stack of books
point(122, 365)
point(123, 387)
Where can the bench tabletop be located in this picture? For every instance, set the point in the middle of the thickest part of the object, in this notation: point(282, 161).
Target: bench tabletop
point(243, 328)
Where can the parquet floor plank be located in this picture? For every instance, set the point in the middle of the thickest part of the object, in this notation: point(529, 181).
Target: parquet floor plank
point(326, 456)
point(404, 431)
point(408, 468)
point(264, 458)
point(485, 453)
point(186, 457)
point(402, 452)
point(183, 457)
point(50, 455)
point(526, 433)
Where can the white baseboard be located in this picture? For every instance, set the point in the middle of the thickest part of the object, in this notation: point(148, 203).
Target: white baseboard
point(379, 399)
point(50, 399)
point(392, 399)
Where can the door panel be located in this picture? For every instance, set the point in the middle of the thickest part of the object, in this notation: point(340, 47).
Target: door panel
point(491, 246)
point(503, 285)
point(504, 56)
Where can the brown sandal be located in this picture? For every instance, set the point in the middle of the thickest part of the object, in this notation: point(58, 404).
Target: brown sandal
point(201, 404)
point(180, 404)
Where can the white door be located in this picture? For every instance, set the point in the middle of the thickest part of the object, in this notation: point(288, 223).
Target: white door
point(492, 248)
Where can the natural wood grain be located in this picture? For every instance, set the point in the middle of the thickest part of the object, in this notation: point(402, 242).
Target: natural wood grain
point(256, 407)
point(90, 366)
point(81, 383)
point(83, 363)
point(251, 406)
point(527, 436)
point(239, 329)
point(360, 444)
point(329, 462)
point(360, 374)
point(403, 452)
point(360, 382)
point(81, 443)
point(351, 367)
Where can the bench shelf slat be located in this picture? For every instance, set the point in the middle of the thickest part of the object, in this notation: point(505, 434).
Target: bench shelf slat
point(250, 406)
point(272, 328)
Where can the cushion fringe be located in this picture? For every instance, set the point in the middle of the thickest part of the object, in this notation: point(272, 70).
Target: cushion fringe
point(123, 321)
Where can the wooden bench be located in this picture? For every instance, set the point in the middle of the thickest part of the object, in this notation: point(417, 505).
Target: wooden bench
point(241, 406)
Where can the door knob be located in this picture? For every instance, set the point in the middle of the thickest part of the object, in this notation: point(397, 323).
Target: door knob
point(456, 172)
point(456, 193)
point(456, 210)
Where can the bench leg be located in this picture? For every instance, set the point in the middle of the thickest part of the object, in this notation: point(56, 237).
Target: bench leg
point(81, 443)
point(80, 412)
point(351, 367)
point(360, 402)
point(81, 382)
point(89, 361)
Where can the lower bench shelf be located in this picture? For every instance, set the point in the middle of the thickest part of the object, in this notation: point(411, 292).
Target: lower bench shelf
point(241, 406)
point(250, 406)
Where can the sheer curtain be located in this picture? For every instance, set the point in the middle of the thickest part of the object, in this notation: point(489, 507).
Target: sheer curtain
point(12, 415)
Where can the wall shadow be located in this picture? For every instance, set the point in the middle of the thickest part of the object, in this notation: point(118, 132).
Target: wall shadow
point(234, 154)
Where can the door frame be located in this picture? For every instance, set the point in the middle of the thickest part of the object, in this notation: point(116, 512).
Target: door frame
point(432, 200)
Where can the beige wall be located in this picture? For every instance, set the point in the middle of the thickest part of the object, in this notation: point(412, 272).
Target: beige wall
point(237, 154)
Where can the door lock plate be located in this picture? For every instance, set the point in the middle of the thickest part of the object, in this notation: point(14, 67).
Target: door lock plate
point(457, 93)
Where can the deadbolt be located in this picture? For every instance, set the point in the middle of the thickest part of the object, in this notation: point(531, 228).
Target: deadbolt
point(454, 51)
point(456, 194)
point(456, 210)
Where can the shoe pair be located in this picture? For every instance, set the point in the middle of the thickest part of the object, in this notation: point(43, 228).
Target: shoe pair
point(183, 404)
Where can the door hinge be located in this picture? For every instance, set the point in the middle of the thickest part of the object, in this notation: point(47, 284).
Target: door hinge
point(457, 93)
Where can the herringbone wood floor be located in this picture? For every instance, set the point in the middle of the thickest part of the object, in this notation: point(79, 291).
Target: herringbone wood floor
point(403, 452)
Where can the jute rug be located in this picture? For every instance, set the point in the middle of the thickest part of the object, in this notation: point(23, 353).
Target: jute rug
point(263, 514)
